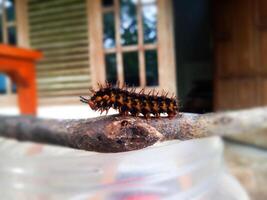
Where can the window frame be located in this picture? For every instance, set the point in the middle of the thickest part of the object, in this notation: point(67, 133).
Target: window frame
point(21, 24)
point(164, 45)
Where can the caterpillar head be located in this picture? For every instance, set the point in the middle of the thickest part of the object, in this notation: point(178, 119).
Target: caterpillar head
point(89, 102)
point(92, 105)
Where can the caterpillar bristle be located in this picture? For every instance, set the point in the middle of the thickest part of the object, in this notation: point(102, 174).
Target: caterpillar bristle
point(142, 91)
point(129, 102)
point(83, 99)
point(117, 84)
point(91, 90)
point(153, 92)
point(163, 93)
point(166, 94)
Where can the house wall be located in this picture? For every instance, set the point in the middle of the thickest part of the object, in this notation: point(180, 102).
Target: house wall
point(240, 54)
point(60, 30)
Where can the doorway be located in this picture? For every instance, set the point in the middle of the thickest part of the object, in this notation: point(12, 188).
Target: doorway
point(194, 54)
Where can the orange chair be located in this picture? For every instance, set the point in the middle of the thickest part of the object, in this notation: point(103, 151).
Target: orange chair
point(19, 65)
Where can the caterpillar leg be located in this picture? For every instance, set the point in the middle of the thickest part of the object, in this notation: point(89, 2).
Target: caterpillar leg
point(124, 113)
point(147, 116)
point(107, 111)
point(157, 115)
point(171, 115)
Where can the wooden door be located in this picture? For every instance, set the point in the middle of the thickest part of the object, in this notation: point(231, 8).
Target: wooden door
point(240, 33)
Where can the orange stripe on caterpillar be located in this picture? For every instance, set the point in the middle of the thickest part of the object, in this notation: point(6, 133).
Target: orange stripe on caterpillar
point(131, 102)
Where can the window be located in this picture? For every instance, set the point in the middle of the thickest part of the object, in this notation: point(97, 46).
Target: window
point(129, 36)
point(8, 35)
point(129, 42)
point(7, 22)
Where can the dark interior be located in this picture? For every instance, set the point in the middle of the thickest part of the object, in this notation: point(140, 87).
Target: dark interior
point(194, 55)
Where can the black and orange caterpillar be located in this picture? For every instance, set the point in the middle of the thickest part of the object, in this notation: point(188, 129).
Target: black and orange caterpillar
point(130, 102)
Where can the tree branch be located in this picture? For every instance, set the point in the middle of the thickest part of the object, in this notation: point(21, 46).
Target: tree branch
point(117, 133)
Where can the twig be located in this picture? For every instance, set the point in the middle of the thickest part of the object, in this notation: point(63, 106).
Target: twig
point(116, 133)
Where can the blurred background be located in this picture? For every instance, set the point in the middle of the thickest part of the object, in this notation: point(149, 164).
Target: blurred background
point(211, 54)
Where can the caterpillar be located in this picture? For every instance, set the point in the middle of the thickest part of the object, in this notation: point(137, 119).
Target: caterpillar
point(130, 102)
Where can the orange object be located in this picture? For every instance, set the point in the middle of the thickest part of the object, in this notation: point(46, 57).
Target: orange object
point(19, 65)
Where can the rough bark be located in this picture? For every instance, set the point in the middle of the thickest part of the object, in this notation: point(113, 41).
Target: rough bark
point(117, 133)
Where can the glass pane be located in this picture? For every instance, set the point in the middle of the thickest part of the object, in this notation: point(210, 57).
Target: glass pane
point(151, 59)
point(131, 68)
point(111, 68)
point(3, 85)
point(107, 3)
point(10, 10)
point(149, 13)
point(12, 35)
point(128, 26)
point(14, 88)
point(109, 30)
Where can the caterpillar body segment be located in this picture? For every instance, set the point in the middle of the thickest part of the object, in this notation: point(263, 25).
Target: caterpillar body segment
point(129, 102)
